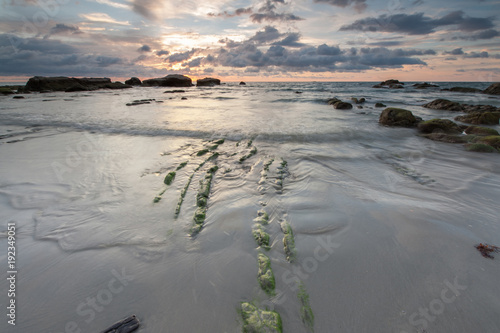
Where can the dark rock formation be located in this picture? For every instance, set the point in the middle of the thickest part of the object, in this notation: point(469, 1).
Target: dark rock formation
point(332, 101)
point(126, 325)
point(464, 90)
point(480, 148)
point(391, 84)
point(242, 83)
point(133, 81)
point(172, 80)
point(207, 82)
point(424, 85)
point(380, 105)
point(70, 84)
point(397, 117)
point(174, 91)
point(448, 138)
point(480, 118)
point(18, 97)
point(358, 101)
point(491, 140)
point(493, 89)
point(141, 101)
point(443, 104)
point(342, 105)
point(439, 126)
point(481, 131)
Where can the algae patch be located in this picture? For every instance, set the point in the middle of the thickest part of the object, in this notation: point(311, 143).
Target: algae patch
point(259, 320)
point(261, 237)
point(169, 178)
point(266, 275)
point(288, 241)
point(202, 199)
point(306, 313)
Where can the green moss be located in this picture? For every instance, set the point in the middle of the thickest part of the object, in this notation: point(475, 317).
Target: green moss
point(200, 215)
point(439, 126)
point(169, 178)
point(492, 140)
point(265, 274)
point(219, 142)
point(267, 165)
point(213, 147)
point(182, 165)
point(288, 241)
point(306, 313)
point(6, 90)
point(257, 320)
point(202, 199)
point(156, 199)
point(261, 237)
point(262, 217)
point(480, 148)
point(479, 130)
point(183, 194)
point(250, 154)
point(202, 152)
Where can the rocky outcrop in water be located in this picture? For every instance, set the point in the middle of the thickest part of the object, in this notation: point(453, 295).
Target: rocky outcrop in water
point(172, 80)
point(207, 82)
point(71, 84)
point(493, 89)
point(424, 85)
point(439, 126)
point(133, 81)
point(480, 118)
point(391, 84)
point(242, 83)
point(463, 90)
point(444, 104)
point(397, 117)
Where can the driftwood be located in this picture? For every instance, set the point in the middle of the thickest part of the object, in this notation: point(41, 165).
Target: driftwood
point(126, 325)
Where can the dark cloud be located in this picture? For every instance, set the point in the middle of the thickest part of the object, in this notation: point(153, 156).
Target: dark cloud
point(359, 5)
point(144, 48)
point(386, 43)
point(108, 61)
point(237, 12)
point(162, 53)
point(486, 34)
point(269, 34)
point(180, 57)
point(61, 28)
point(273, 17)
point(483, 54)
point(457, 51)
point(146, 8)
point(418, 24)
point(291, 40)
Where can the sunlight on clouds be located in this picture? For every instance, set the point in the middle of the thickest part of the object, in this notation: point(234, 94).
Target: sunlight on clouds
point(187, 41)
point(102, 18)
point(114, 4)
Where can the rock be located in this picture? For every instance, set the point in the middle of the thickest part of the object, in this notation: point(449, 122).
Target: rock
point(480, 148)
point(380, 105)
point(126, 325)
point(342, 105)
point(439, 126)
point(8, 90)
point(298, 92)
point(444, 104)
point(71, 84)
point(141, 101)
point(133, 81)
point(358, 101)
point(259, 320)
point(332, 101)
point(482, 131)
point(184, 98)
point(397, 117)
point(491, 140)
point(174, 91)
point(265, 274)
point(424, 85)
point(242, 83)
point(207, 82)
point(18, 97)
point(449, 138)
point(464, 90)
point(477, 118)
point(493, 89)
point(172, 80)
point(391, 84)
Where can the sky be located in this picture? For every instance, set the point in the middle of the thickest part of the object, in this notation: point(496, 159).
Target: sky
point(252, 40)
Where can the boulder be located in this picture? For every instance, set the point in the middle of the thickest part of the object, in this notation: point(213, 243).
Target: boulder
point(481, 131)
point(439, 126)
point(70, 84)
point(332, 101)
point(464, 90)
point(174, 91)
point(127, 325)
point(397, 117)
point(448, 138)
point(444, 104)
point(493, 89)
point(380, 105)
point(133, 81)
point(358, 101)
point(342, 105)
point(391, 84)
point(424, 85)
point(207, 82)
point(242, 83)
point(491, 140)
point(480, 118)
point(172, 80)
point(480, 148)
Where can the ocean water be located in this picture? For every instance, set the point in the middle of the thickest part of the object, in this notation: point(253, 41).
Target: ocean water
point(384, 221)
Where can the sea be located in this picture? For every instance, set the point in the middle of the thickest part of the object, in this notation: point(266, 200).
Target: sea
point(369, 228)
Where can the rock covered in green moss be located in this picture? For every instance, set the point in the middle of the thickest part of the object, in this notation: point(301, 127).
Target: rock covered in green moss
point(380, 105)
point(480, 148)
point(443, 104)
point(288, 241)
point(252, 152)
point(448, 138)
point(439, 126)
point(202, 152)
point(491, 140)
point(480, 118)
point(265, 274)
point(169, 178)
point(202, 199)
point(306, 313)
point(483, 131)
point(261, 237)
point(257, 320)
point(342, 105)
point(262, 217)
point(397, 117)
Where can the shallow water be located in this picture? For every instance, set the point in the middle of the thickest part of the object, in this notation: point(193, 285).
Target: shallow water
point(383, 219)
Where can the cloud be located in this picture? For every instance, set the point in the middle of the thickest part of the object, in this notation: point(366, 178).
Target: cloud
point(418, 24)
point(162, 53)
point(485, 34)
point(457, 51)
point(237, 12)
point(61, 28)
point(483, 54)
point(180, 57)
point(273, 17)
point(144, 48)
point(114, 4)
point(291, 40)
point(269, 34)
point(102, 18)
point(359, 5)
point(103, 61)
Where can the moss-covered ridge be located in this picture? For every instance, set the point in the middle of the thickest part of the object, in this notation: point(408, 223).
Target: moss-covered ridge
point(257, 320)
point(202, 200)
point(265, 274)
